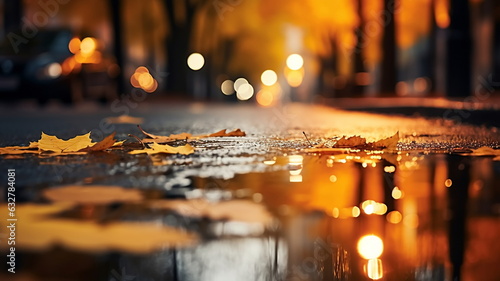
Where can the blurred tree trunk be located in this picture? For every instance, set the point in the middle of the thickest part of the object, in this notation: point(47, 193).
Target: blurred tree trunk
point(178, 42)
point(496, 42)
point(458, 63)
point(357, 89)
point(12, 14)
point(116, 20)
point(431, 51)
point(388, 69)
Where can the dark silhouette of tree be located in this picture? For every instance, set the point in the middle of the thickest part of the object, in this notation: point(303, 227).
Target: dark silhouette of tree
point(12, 13)
point(388, 69)
point(459, 49)
point(358, 66)
point(116, 22)
point(496, 41)
point(181, 17)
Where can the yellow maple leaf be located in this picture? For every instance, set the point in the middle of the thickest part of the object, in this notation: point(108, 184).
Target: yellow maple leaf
point(156, 148)
point(55, 144)
point(106, 143)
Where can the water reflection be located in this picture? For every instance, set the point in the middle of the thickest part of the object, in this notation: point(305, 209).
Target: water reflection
point(428, 210)
point(350, 217)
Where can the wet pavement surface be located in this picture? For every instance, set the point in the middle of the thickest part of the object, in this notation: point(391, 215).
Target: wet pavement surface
point(258, 207)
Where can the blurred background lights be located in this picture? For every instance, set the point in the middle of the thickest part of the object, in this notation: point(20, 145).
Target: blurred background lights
point(370, 247)
point(244, 92)
point(227, 87)
point(265, 97)
point(88, 45)
point(142, 79)
point(239, 82)
point(294, 61)
point(374, 269)
point(195, 61)
point(54, 70)
point(394, 217)
point(269, 77)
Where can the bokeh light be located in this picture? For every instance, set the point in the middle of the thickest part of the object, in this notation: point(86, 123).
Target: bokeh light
point(394, 217)
point(144, 80)
point(269, 77)
point(370, 247)
point(294, 61)
point(265, 97)
point(244, 92)
point(374, 269)
point(294, 77)
point(239, 82)
point(88, 46)
point(227, 87)
point(196, 61)
point(74, 45)
point(54, 70)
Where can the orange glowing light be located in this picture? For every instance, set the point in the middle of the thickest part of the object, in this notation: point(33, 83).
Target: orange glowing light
point(88, 46)
point(441, 13)
point(394, 217)
point(294, 77)
point(74, 45)
point(265, 97)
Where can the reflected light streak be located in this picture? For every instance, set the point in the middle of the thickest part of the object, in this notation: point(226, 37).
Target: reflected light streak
point(374, 269)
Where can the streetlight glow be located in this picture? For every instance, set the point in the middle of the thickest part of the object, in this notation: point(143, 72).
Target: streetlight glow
point(196, 61)
point(294, 61)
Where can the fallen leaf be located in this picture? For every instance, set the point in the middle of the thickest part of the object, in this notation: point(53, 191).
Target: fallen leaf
point(222, 133)
point(92, 194)
point(233, 210)
point(106, 143)
point(390, 143)
point(125, 119)
point(156, 148)
point(182, 136)
point(350, 142)
point(357, 142)
point(55, 144)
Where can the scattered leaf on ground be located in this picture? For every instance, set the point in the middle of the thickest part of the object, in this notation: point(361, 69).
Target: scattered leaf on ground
point(182, 136)
point(125, 119)
point(106, 143)
point(55, 144)
point(356, 142)
point(233, 210)
point(92, 194)
point(156, 148)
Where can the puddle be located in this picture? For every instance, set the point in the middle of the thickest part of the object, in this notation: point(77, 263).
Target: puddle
point(406, 216)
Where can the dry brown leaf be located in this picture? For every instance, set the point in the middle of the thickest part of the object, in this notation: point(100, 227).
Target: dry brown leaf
point(125, 119)
point(350, 142)
point(390, 143)
point(156, 148)
point(357, 142)
point(233, 210)
point(182, 136)
point(106, 143)
point(97, 194)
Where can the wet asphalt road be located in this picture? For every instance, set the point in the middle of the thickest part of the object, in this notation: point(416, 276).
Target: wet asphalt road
point(270, 131)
